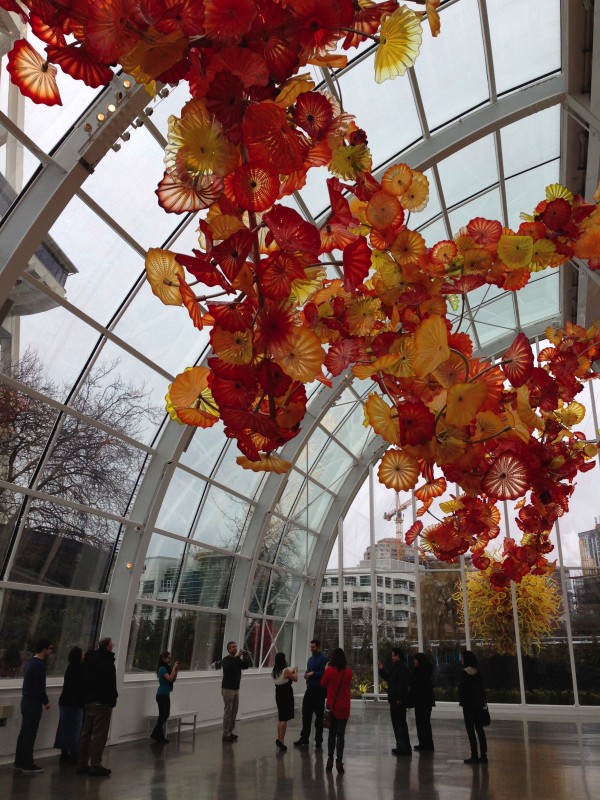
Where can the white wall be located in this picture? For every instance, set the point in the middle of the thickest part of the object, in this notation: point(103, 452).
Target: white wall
point(199, 692)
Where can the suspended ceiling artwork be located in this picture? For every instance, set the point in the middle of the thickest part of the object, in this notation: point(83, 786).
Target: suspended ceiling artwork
point(380, 272)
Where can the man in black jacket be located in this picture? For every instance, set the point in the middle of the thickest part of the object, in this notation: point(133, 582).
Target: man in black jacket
point(100, 689)
point(234, 662)
point(398, 680)
point(34, 697)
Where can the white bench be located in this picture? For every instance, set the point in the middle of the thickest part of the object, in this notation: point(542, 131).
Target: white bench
point(375, 698)
point(181, 718)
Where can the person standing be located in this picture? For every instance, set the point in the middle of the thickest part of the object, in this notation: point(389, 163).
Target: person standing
point(100, 689)
point(336, 681)
point(471, 696)
point(166, 679)
point(283, 678)
point(233, 664)
point(423, 699)
point(34, 699)
point(70, 705)
point(398, 680)
point(313, 701)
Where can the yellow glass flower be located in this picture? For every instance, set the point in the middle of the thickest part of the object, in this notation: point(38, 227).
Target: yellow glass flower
point(349, 161)
point(361, 314)
point(233, 348)
point(431, 345)
point(515, 251)
point(397, 179)
point(267, 463)
point(416, 197)
point(197, 144)
point(408, 246)
point(491, 618)
point(153, 55)
point(162, 271)
point(305, 358)
point(556, 191)
point(383, 419)
point(572, 414)
point(190, 401)
point(400, 42)
point(464, 401)
point(544, 255)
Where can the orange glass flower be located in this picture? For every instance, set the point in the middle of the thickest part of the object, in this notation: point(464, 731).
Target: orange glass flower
point(398, 470)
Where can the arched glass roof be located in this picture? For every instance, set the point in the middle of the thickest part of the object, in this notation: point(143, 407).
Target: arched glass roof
point(112, 515)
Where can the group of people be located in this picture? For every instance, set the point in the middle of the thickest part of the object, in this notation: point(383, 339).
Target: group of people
point(86, 702)
point(328, 683)
point(89, 695)
point(414, 689)
point(328, 692)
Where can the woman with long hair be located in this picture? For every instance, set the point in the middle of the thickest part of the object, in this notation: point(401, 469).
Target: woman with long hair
point(166, 678)
point(70, 703)
point(423, 699)
point(471, 696)
point(283, 678)
point(337, 679)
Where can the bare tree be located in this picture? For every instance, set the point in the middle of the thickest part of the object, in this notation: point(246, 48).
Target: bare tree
point(85, 464)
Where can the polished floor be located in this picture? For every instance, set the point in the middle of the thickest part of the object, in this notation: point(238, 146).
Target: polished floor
point(527, 761)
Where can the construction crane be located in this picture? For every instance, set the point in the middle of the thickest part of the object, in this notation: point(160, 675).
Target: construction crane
point(398, 513)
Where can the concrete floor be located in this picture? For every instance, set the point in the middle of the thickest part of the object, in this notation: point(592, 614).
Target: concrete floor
point(527, 761)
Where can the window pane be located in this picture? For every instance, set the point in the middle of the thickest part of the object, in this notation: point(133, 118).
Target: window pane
point(197, 639)
point(283, 594)
point(465, 83)
point(27, 616)
point(147, 638)
point(546, 664)
point(264, 638)
point(528, 50)
point(224, 520)
point(181, 502)
point(206, 578)
point(63, 547)
point(584, 593)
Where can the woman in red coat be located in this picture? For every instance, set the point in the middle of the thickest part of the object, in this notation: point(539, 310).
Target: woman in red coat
point(336, 679)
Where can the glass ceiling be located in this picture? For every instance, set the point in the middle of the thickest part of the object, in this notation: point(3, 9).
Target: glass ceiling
point(484, 113)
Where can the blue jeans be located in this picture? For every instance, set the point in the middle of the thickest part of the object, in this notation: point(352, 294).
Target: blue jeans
point(31, 713)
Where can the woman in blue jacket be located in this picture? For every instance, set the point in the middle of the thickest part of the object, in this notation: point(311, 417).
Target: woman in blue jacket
point(166, 679)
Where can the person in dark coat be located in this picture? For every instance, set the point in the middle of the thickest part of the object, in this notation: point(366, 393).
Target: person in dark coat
point(100, 691)
point(313, 701)
point(71, 709)
point(471, 696)
point(398, 681)
point(283, 678)
point(33, 700)
point(232, 665)
point(422, 699)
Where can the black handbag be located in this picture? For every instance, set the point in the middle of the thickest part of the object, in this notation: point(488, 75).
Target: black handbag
point(484, 716)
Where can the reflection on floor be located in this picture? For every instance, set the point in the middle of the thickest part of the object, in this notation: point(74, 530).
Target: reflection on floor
point(527, 761)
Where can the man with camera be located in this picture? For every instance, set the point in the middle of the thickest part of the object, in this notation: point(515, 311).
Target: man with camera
point(234, 662)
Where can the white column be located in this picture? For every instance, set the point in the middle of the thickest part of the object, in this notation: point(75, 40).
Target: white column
point(417, 585)
point(340, 593)
point(513, 594)
point(567, 613)
point(375, 650)
point(465, 599)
